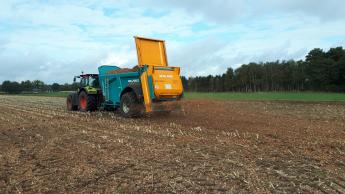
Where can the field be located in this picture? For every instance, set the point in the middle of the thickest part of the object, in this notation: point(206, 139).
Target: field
point(281, 96)
point(210, 146)
point(257, 96)
point(46, 94)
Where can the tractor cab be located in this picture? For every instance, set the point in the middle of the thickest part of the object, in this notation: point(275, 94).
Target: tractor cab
point(88, 83)
point(88, 80)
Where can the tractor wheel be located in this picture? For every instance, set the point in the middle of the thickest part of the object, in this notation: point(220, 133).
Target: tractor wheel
point(87, 102)
point(129, 105)
point(69, 103)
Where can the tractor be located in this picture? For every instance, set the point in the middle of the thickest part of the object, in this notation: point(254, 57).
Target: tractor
point(88, 96)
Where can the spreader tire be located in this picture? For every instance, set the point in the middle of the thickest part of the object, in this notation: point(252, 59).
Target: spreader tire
point(129, 105)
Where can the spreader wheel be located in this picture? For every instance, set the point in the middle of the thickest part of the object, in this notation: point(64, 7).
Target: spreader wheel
point(129, 105)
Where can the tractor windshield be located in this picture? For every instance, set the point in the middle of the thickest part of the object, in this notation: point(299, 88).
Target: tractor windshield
point(83, 82)
point(93, 81)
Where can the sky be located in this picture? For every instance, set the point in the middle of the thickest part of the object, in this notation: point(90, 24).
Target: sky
point(55, 40)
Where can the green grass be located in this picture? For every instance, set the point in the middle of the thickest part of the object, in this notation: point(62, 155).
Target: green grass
point(261, 96)
point(284, 96)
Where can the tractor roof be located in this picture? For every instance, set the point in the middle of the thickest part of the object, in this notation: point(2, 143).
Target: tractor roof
point(88, 75)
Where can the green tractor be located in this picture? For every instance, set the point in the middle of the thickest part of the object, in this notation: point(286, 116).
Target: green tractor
point(88, 96)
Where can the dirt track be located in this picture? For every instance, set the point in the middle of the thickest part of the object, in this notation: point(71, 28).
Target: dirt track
point(210, 147)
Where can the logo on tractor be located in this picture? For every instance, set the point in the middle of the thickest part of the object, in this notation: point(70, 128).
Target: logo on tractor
point(133, 81)
point(165, 76)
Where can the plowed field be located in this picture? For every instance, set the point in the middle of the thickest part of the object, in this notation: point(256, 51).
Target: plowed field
point(208, 147)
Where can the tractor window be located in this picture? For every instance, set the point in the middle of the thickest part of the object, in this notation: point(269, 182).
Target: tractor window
point(94, 82)
point(83, 82)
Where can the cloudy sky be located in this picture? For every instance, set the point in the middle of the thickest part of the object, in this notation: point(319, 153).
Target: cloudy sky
point(55, 40)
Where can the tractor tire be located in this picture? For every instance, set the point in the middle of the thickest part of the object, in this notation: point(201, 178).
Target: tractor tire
point(87, 103)
point(69, 103)
point(130, 106)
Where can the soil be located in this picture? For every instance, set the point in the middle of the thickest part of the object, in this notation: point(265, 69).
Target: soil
point(206, 147)
point(123, 70)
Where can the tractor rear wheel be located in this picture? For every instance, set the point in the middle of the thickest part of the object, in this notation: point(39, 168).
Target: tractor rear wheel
point(129, 105)
point(69, 103)
point(87, 102)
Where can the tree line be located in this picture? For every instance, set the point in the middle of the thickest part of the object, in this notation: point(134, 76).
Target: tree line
point(320, 71)
point(34, 86)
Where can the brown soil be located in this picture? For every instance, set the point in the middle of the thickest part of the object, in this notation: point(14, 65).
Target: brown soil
point(207, 147)
point(123, 70)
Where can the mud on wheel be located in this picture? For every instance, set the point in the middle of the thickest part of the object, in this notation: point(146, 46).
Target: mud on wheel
point(130, 106)
point(87, 102)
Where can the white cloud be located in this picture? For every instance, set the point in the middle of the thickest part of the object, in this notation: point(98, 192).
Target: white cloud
point(228, 11)
point(217, 10)
point(325, 10)
point(120, 59)
point(40, 40)
point(277, 38)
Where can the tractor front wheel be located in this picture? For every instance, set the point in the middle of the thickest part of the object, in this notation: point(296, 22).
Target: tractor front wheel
point(69, 103)
point(129, 105)
point(86, 102)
